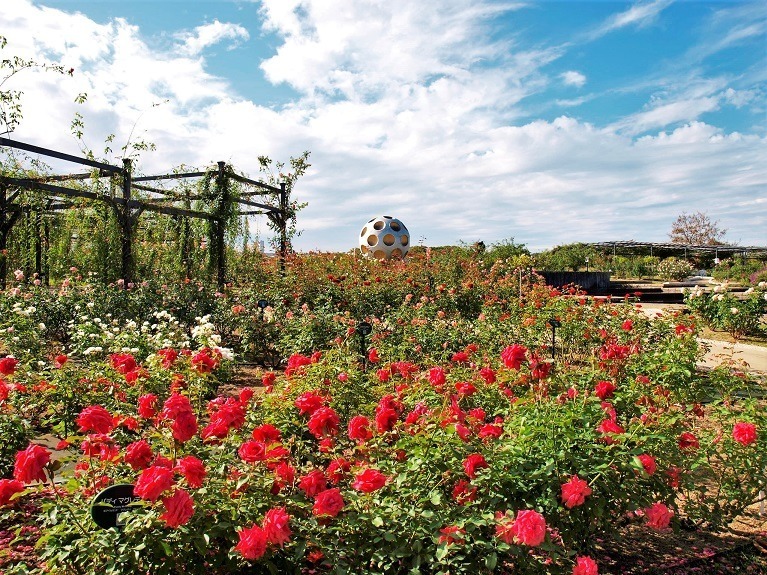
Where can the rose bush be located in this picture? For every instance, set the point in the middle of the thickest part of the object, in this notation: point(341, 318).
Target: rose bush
point(456, 441)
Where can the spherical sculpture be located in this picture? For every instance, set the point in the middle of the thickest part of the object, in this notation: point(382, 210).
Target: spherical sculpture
point(385, 238)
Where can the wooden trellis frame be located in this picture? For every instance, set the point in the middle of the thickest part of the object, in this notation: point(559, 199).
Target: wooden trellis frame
point(127, 209)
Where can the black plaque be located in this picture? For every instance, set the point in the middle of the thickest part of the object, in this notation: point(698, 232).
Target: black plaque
point(364, 328)
point(109, 508)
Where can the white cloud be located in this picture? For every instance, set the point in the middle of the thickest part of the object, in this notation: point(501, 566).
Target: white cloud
point(209, 35)
point(416, 115)
point(573, 78)
point(640, 14)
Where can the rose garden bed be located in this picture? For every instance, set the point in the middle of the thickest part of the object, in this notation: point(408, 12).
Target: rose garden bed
point(460, 441)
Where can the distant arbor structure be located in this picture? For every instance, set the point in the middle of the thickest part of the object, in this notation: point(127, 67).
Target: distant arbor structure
point(127, 209)
point(630, 247)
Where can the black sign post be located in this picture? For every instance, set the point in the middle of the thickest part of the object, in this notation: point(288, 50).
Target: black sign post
point(109, 508)
point(364, 329)
point(554, 323)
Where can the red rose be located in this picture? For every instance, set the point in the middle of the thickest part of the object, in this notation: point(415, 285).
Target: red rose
point(369, 480)
point(437, 377)
point(460, 357)
point(585, 566)
point(175, 405)
point(473, 463)
point(252, 543)
point(627, 325)
point(30, 464)
point(513, 356)
point(604, 389)
point(608, 428)
point(153, 482)
point(147, 406)
point(465, 388)
point(9, 488)
point(252, 451)
point(313, 482)
point(373, 356)
point(202, 362)
point(266, 433)
point(184, 427)
point(658, 516)
point(328, 502)
point(337, 469)
point(359, 428)
point(529, 528)
point(245, 395)
point(60, 360)
point(138, 454)
point(96, 419)
point(277, 526)
point(309, 402)
point(8, 365)
point(451, 534)
point(323, 422)
point(285, 474)
point(226, 416)
point(463, 493)
point(193, 470)
point(744, 433)
point(386, 418)
point(168, 356)
point(122, 362)
point(688, 442)
point(648, 463)
point(179, 509)
point(487, 374)
point(575, 491)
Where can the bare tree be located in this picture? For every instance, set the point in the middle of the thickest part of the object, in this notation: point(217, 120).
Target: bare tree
point(696, 229)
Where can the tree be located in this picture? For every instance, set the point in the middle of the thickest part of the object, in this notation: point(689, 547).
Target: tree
point(696, 229)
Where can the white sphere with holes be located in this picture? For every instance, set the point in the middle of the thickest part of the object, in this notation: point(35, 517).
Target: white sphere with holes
point(385, 238)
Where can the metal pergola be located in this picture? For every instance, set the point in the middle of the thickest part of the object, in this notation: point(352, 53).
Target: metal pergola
point(631, 247)
point(128, 209)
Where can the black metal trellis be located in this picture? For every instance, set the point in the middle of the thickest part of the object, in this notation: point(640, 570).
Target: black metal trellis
point(127, 209)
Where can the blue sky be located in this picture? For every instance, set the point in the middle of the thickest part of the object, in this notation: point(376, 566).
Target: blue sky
point(548, 122)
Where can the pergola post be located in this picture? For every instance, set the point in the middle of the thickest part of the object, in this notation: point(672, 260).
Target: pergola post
point(8, 218)
point(126, 225)
point(219, 227)
point(283, 225)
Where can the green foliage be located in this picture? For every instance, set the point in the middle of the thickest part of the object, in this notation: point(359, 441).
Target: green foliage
point(16, 433)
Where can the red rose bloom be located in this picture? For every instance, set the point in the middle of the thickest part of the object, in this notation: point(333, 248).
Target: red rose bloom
point(313, 482)
point(252, 451)
point(147, 406)
point(608, 428)
point(373, 356)
point(460, 357)
point(658, 516)
point(648, 463)
point(513, 356)
point(30, 464)
point(359, 429)
point(369, 480)
point(487, 374)
point(323, 423)
point(96, 419)
point(585, 566)
point(168, 357)
point(337, 469)
point(203, 362)
point(744, 433)
point(138, 454)
point(309, 402)
point(179, 509)
point(575, 491)
point(277, 526)
point(9, 488)
point(122, 362)
point(175, 405)
point(153, 482)
point(604, 389)
point(266, 433)
point(688, 442)
point(451, 534)
point(193, 470)
point(386, 418)
point(328, 502)
point(473, 463)
point(8, 365)
point(463, 493)
point(252, 543)
point(184, 427)
point(529, 528)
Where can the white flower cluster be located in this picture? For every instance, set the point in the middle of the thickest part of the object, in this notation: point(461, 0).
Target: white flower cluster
point(204, 332)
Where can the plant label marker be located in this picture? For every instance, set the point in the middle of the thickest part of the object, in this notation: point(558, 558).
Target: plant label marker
point(110, 507)
point(364, 329)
